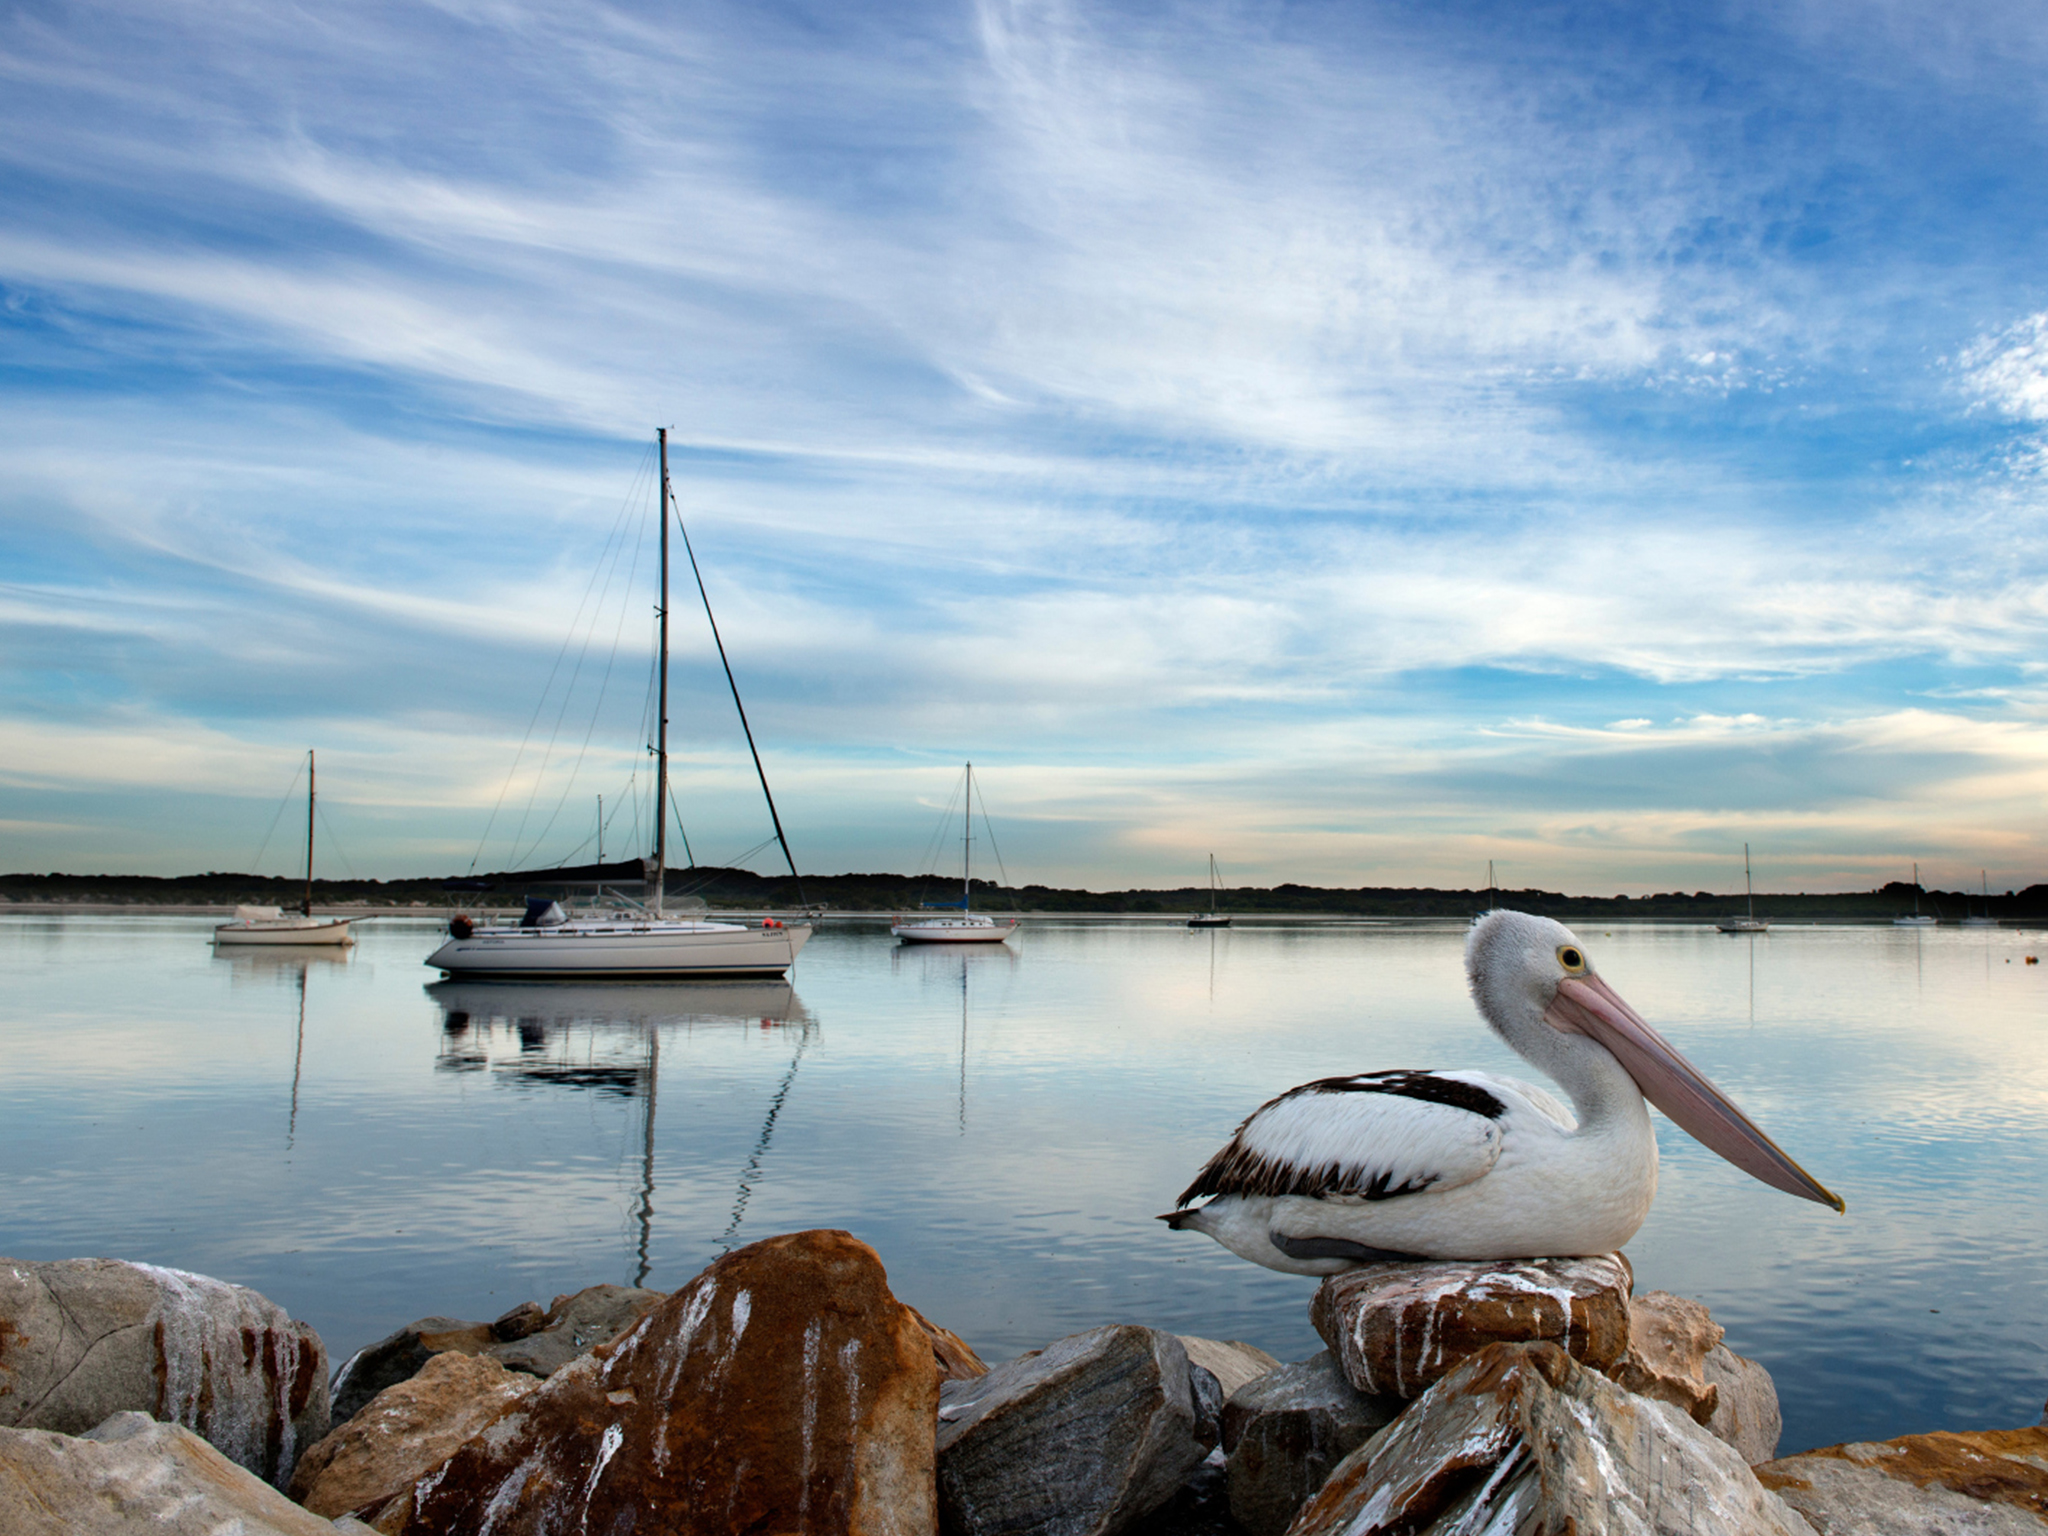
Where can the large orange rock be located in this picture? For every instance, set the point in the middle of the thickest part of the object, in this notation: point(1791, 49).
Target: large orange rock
point(1985, 1483)
point(1397, 1327)
point(783, 1390)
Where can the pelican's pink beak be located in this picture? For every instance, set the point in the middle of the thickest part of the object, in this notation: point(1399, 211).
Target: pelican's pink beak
point(1586, 1005)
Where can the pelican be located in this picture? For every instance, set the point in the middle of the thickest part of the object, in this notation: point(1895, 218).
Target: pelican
point(1471, 1165)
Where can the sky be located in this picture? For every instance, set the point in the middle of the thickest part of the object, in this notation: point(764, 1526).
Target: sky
point(1359, 440)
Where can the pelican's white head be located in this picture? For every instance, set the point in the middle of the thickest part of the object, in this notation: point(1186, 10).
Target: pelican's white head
point(1535, 985)
point(1514, 961)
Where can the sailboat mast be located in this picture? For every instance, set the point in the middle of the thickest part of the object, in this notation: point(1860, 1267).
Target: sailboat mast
point(967, 846)
point(306, 906)
point(661, 708)
point(1748, 888)
point(1212, 885)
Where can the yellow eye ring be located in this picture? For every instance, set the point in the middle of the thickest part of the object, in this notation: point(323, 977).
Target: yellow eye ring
point(1571, 959)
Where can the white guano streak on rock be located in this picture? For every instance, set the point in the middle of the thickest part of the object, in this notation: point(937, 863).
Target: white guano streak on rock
point(812, 1332)
point(1507, 1520)
point(507, 1495)
point(631, 1337)
point(742, 1309)
point(607, 1447)
point(202, 1320)
point(849, 1367)
point(677, 1349)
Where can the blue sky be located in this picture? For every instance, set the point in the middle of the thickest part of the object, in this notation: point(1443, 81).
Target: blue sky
point(1361, 440)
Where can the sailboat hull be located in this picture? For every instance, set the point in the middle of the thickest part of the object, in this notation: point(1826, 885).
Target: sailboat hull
point(1204, 920)
point(292, 931)
point(954, 930)
point(623, 950)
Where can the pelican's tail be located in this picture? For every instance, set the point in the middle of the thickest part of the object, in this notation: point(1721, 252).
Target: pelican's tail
point(1186, 1221)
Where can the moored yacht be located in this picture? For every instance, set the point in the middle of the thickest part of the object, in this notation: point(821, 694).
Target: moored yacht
point(547, 941)
point(271, 925)
point(1749, 922)
point(1918, 919)
point(969, 927)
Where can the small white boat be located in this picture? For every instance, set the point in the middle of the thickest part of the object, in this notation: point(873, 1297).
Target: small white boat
point(1987, 920)
point(270, 925)
point(1750, 923)
point(1211, 918)
point(1916, 920)
point(969, 927)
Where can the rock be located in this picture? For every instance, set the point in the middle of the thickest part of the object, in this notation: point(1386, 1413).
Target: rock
point(400, 1356)
point(575, 1324)
point(527, 1317)
point(1215, 1370)
point(404, 1432)
point(1286, 1430)
point(1081, 1438)
point(1397, 1327)
point(1984, 1483)
point(784, 1389)
point(957, 1362)
point(133, 1474)
point(1233, 1364)
point(82, 1339)
point(1669, 1338)
point(1199, 1507)
point(1522, 1438)
point(1746, 1412)
point(524, 1339)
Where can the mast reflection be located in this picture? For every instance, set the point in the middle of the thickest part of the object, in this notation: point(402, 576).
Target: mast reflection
point(949, 965)
point(287, 966)
point(606, 1037)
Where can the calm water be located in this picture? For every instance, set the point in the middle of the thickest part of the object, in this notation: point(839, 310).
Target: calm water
point(366, 1147)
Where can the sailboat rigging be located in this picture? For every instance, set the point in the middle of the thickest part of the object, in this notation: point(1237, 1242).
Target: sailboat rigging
point(1750, 923)
point(548, 942)
point(1211, 918)
point(969, 927)
point(269, 925)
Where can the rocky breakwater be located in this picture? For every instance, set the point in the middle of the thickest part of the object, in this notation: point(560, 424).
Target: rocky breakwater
point(786, 1389)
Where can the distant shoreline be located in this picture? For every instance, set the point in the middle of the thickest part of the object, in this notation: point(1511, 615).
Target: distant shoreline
point(1242, 918)
point(740, 891)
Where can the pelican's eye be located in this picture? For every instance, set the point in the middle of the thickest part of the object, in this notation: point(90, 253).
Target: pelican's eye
point(1569, 956)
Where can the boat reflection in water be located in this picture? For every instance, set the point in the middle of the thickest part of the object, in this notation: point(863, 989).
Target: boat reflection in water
point(606, 1037)
point(948, 967)
point(273, 966)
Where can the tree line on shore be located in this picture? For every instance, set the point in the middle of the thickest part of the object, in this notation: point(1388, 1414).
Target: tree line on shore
point(743, 889)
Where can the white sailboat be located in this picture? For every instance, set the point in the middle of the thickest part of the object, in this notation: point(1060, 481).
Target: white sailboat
point(1211, 918)
point(1987, 920)
point(1750, 923)
point(647, 943)
point(270, 925)
point(969, 927)
point(1916, 920)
